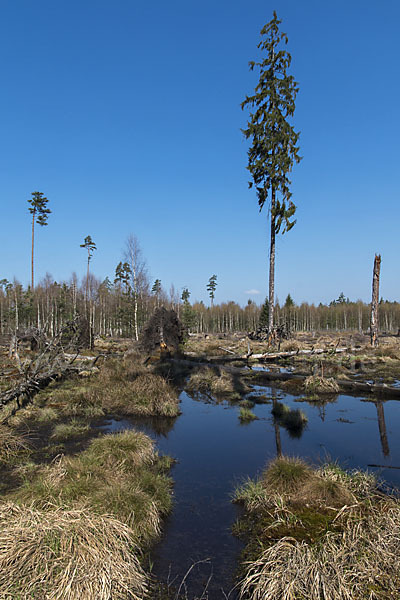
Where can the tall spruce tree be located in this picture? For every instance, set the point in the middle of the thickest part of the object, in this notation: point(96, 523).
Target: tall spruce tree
point(274, 142)
point(39, 211)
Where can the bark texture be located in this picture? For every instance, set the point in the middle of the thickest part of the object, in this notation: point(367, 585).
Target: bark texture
point(375, 300)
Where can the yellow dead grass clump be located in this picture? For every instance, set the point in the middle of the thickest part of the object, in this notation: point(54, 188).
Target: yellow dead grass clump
point(58, 554)
point(216, 382)
point(322, 535)
point(11, 445)
point(321, 385)
point(119, 474)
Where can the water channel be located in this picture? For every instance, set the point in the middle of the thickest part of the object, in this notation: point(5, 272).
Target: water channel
point(215, 452)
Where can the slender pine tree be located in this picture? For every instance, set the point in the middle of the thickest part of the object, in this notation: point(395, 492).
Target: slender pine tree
point(39, 211)
point(90, 246)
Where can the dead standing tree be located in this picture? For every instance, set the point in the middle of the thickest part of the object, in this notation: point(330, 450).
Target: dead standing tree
point(375, 300)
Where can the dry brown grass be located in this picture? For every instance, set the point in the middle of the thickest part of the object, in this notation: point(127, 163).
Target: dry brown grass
point(12, 445)
point(290, 346)
point(327, 535)
point(129, 388)
point(317, 384)
point(216, 382)
point(58, 554)
point(362, 561)
point(119, 474)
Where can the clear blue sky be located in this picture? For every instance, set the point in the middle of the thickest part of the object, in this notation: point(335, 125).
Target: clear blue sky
point(126, 115)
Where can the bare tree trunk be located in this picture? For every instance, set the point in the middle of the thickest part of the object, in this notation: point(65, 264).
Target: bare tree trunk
point(33, 238)
point(375, 300)
point(271, 295)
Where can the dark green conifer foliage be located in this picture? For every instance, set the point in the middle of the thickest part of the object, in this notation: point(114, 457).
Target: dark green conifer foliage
point(39, 211)
point(211, 287)
point(264, 314)
point(188, 314)
point(123, 274)
point(156, 290)
point(289, 302)
point(274, 148)
point(90, 246)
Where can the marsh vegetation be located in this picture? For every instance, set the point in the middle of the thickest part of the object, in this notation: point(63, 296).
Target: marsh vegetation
point(318, 533)
point(57, 462)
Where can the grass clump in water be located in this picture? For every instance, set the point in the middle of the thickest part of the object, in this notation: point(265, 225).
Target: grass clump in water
point(217, 383)
point(315, 534)
point(246, 415)
point(67, 554)
point(294, 420)
point(133, 391)
point(316, 384)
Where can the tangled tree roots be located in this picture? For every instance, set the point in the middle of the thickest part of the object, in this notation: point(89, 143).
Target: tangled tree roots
point(66, 555)
point(164, 328)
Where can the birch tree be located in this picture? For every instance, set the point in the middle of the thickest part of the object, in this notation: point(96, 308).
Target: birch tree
point(138, 273)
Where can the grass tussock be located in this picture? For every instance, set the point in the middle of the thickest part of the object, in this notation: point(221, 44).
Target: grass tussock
point(320, 534)
point(246, 415)
point(124, 387)
point(12, 446)
point(128, 388)
point(68, 431)
point(284, 475)
point(290, 346)
point(217, 383)
point(119, 474)
point(294, 420)
point(67, 554)
point(316, 384)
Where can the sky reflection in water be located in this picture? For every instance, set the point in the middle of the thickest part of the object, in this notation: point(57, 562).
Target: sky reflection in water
point(215, 453)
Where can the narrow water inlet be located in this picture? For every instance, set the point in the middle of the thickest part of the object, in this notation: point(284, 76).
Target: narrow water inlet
point(215, 453)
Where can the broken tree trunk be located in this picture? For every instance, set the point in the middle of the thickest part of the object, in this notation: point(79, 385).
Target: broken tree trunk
point(276, 355)
point(375, 300)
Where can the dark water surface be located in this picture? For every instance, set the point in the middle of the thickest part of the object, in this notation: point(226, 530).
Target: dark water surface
point(215, 453)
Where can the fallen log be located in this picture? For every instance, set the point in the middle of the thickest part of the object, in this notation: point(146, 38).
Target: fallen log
point(265, 356)
point(32, 386)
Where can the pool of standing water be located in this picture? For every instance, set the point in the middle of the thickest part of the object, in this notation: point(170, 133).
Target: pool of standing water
point(215, 453)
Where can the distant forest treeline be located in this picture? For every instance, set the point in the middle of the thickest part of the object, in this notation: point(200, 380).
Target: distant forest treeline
point(116, 309)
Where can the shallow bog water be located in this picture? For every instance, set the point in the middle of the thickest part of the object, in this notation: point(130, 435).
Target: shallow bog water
point(215, 452)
